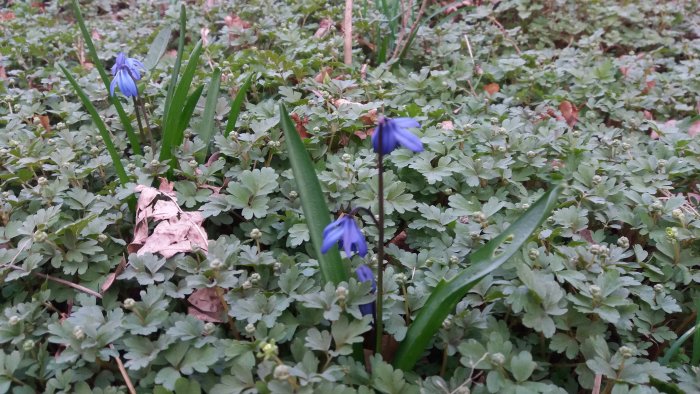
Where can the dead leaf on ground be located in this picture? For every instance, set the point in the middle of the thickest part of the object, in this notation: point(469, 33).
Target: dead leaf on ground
point(113, 275)
point(323, 28)
point(177, 231)
point(492, 88)
point(206, 305)
point(569, 112)
point(300, 125)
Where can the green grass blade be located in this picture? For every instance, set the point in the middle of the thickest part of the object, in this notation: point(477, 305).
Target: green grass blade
point(312, 201)
point(176, 67)
point(236, 106)
point(676, 346)
point(157, 47)
point(106, 137)
point(188, 108)
point(206, 127)
point(447, 294)
point(695, 359)
point(123, 117)
point(173, 131)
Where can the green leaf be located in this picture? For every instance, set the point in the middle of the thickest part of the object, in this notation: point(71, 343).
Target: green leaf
point(482, 262)
point(522, 366)
point(123, 117)
point(188, 108)
point(178, 63)
point(106, 137)
point(236, 106)
point(206, 127)
point(157, 48)
point(312, 201)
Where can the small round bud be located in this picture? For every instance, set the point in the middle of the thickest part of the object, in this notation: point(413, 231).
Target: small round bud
point(656, 206)
point(216, 264)
point(316, 129)
point(154, 163)
point(281, 372)
point(250, 328)
point(102, 238)
point(596, 180)
point(493, 120)
point(270, 144)
point(94, 151)
point(480, 217)
point(616, 143)
point(192, 163)
point(60, 126)
point(341, 292)
point(659, 288)
point(626, 352)
point(498, 359)
point(41, 181)
point(502, 149)
point(233, 135)
point(247, 285)
point(28, 345)
point(531, 154)
point(346, 157)
point(533, 254)
point(447, 323)
point(671, 233)
point(78, 333)
point(595, 291)
point(677, 214)
point(255, 277)
point(147, 149)
point(277, 266)
point(209, 328)
point(623, 242)
point(526, 206)
point(188, 134)
point(131, 167)
point(129, 303)
point(14, 320)
point(661, 164)
point(147, 105)
point(576, 133)
point(40, 236)
point(502, 131)
point(474, 235)
point(626, 147)
point(454, 259)
point(448, 191)
point(400, 278)
point(255, 234)
point(293, 195)
point(269, 349)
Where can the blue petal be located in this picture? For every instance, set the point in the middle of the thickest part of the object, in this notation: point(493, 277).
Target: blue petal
point(405, 123)
point(126, 84)
point(330, 227)
point(364, 274)
point(331, 239)
point(349, 236)
point(409, 140)
point(112, 86)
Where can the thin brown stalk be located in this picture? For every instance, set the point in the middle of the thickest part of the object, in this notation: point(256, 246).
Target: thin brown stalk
point(505, 34)
point(401, 45)
point(59, 280)
point(347, 33)
point(122, 370)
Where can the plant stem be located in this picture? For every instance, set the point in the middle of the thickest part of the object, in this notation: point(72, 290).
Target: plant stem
point(380, 244)
point(138, 120)
point(145, 120)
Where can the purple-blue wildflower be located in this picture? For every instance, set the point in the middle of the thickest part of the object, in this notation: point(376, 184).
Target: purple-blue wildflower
point(364, 274)
point(126, 73)
point(394, 134)
point(346, 234)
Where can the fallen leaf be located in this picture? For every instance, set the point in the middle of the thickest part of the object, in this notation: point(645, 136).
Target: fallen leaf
point(206, 305)
point(569, 112)
point(492, 88)
point(370, 118)
point(112, 276)
point(235, 21)
point(447, 125)
point(694, 129)
point(323, 28)
point(323, 74)
point(300, 125)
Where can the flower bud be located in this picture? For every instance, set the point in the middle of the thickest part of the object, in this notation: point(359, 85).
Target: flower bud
point(498, 359)
point(576, 133)
point(448, 191)
point(447, 323)
point(28, 345)
point(480, 217)
point(677, 214)
point(626, 352)
point(656, 206)
point(250, 328)
point(255, 234)
point(474, 235)
point(154, 163)
point(131, 167)
point(40, 236)
point(400, 278)
point(94, 151)
point(293, 195)
point(129, 303)
point(671, 233)
point(346, 157)
point(216, 264)
point(102, 238)
point(41, 181)
point(454, 259)
point(60, 126)
point(78, 333)
point(596, 180)
point(533, 254)
point(14, 320)
point(269, 349)
point(281, 372)
point(659, 288)
point(595, 291)
point(502, 149)
point(341, 292)
point(192, 163)
point(247, 285)
point(209, 328)
point(255, 277)
point(233, 135)
point(531, 154)
point(626, 147)
point(623, 242)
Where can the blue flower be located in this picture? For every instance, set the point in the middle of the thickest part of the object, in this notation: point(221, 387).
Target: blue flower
point(394, 133)
point(364, 274)
point(346, 234)
point(126, 73)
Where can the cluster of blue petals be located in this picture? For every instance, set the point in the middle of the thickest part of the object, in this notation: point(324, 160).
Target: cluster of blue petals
point(364, 274)
point(126, 72)
point(395, 133)
point(346, 234)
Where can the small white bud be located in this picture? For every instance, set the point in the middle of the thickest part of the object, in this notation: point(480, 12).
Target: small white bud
point(78, 333)
point(14, 320)
point(255, 234)
point(129, 303)
point(247, 285)
point(250, 328)
point(281, 372)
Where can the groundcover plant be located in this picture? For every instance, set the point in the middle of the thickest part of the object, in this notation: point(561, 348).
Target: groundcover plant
point(389, 196)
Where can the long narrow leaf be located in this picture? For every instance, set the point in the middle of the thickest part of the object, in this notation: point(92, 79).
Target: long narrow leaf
point(312, 201)
point(188, 108)
point(695, 359)
point(176, 68)
point(236, 106)
point(206, 127)
point(133, 138)
point(106, 137)
point(447, 294)
point(157, 47)
point(676, 346)
point(173, 132)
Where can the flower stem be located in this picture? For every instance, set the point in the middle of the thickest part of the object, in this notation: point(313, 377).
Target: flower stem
point(380, 246)
point(138, 120)
point(145, 120)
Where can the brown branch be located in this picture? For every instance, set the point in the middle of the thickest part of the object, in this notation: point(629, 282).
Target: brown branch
point(59, 280)
point(505, 34)
point(347, 33)
point(401, 46)
point(120, 365)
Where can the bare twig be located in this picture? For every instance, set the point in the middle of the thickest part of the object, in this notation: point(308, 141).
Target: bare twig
point(401, 46)
point(505, 34)
point(120, 365)
point(596, 384)
point(347, 33)
point(59, 280)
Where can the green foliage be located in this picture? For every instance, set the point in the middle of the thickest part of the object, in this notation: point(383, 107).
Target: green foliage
point(606, 285)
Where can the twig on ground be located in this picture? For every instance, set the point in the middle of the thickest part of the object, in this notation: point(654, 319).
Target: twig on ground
point(120, 365)
point(58, 280)
point(505, 34)
point(401, 45)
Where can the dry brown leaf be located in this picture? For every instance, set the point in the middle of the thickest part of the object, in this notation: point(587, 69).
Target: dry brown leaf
point(323, 28)
point(569, 112)
point(112, 276)
point(206, 305)
point(492, 88)
point(235, 21)
point(323, 74)
point(300, 125)
point(370, 118)
point(694, 129)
